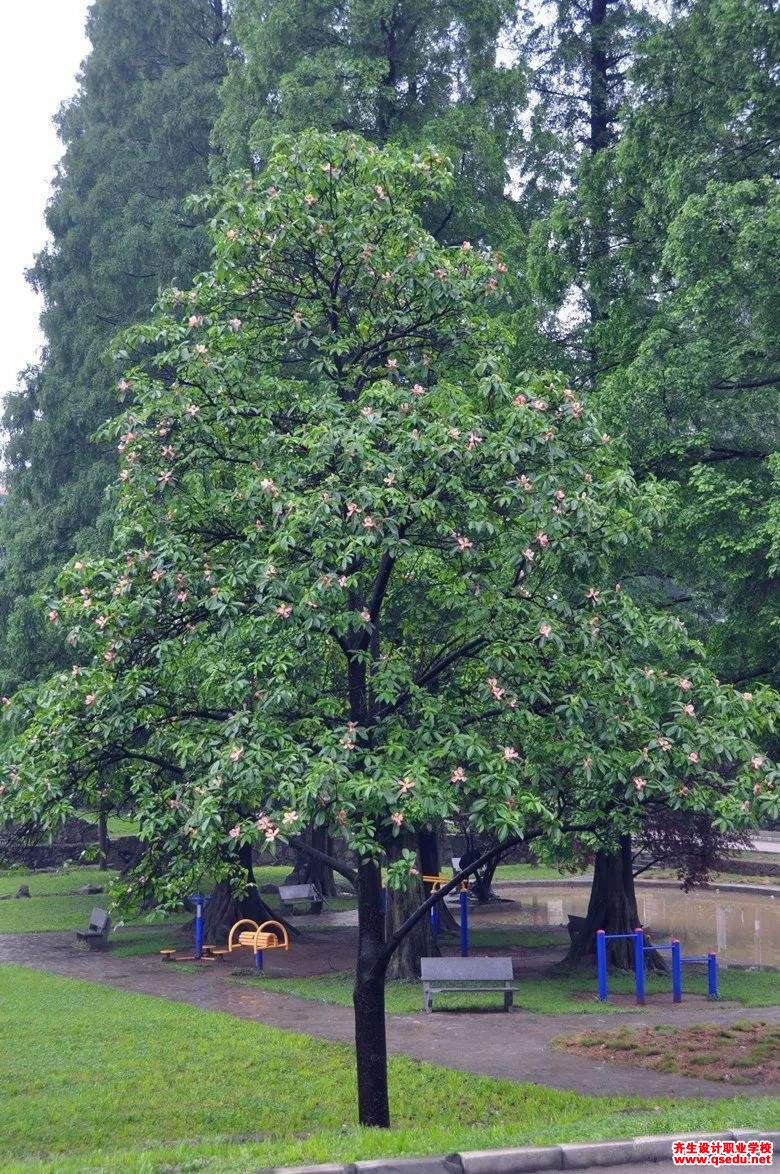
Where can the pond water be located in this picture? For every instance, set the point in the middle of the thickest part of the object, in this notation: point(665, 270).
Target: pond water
point(742, 927)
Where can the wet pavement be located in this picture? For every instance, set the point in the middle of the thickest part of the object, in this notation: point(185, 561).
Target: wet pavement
point(515, 1045)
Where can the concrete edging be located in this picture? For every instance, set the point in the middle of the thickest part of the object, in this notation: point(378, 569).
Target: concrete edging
point(569, 1156)
point(583, 881)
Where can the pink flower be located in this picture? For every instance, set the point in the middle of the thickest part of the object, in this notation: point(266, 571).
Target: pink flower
point(605, 438)
point(592, 595)
point(54, 616)
point(167, 452)
point(462, 542)
point(576, 409)
point(539, 404)
point(519, 400)
point(689, 709)
point(474, 440)
point(268, 485)
point(369, 523)
point(406, 785)
point(392, 364)
point(309, 200)
point(639, 783)
point(545, 631)
point(664, 743)
point(685, 790)
point(757, 761)
point(559, 495)
point(352, 509)
point(236, 754)
point(164, 477)
point(495, 688)
point(90, 699)
point(365, 615)
point(284, 610)
point(234, 324)
point(440, 272)
point(289, 817)
point(529, 554)
point(123, 385)
point(418, 389)
point(195, 320)
point(745, 806)
point(542, 539)
point(747, 696)
point(181, 596)
point(157, 575)
point(192, 409)
point(109, 655)
point(235, 832)
point(466, 247)
point(510, 753)
point(693, 756)
point(397, 818)
point(684, 683)
point(367, 411)
point(101, 621)
point(458, 775)
point(525, 483)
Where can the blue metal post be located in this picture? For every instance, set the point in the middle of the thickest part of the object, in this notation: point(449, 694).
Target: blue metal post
point(712, 975)
point(464, 923)
point(258, 959)
point(435, 921)
point(676, 972)
point(639, 964)
point(197, 900)
point(601, 963)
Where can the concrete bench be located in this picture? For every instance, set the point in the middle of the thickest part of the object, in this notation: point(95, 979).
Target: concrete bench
point(443, 975)
point(292, 895)
point(96, 934)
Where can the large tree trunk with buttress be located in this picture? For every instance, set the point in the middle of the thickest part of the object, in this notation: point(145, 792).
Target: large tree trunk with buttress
point(223, 910)
point(401, 903)
point(309, 870)
point(613, 908)
point(369, 1000)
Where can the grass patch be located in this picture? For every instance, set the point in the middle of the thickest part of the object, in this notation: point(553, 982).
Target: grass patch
point(167, 1084)
point(545, 995)
point(529, 872)
point(529, 937)
point(742, 1054)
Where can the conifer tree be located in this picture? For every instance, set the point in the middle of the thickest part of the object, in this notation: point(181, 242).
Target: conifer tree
point(136, 139)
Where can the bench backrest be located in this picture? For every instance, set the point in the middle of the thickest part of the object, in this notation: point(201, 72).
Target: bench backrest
point(465, 969)
point(298, 893)
point(98, 920)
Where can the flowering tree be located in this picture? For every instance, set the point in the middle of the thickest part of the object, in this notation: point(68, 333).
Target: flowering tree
point(364, 581)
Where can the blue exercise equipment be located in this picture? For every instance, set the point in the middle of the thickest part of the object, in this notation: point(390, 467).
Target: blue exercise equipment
point(640, 949)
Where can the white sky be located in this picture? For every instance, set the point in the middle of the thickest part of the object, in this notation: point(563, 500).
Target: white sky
point(42, 47)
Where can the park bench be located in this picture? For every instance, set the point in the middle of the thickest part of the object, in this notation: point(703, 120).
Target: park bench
point(443, 975)
point(291, 895)
point(96, 934)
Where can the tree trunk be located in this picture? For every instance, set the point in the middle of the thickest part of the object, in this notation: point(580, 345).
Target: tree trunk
point(401, 903)
point(613, 908)
point(430, 865)
point(310, 871)
point(369, 1000)
point(103, 842)
point(224, 909)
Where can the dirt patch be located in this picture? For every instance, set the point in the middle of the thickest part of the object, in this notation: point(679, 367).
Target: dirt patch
point(737, 1053)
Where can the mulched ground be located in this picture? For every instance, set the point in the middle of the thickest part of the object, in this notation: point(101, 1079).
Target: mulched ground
point(737, 1053)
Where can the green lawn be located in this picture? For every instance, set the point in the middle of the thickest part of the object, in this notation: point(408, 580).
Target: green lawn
point(554, 995)
point(157, 1084)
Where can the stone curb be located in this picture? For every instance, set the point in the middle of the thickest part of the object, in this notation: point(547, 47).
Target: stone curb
point(577, 1156)
point(586, 881)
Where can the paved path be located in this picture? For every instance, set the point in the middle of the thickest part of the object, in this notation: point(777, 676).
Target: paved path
point(516, 1046)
